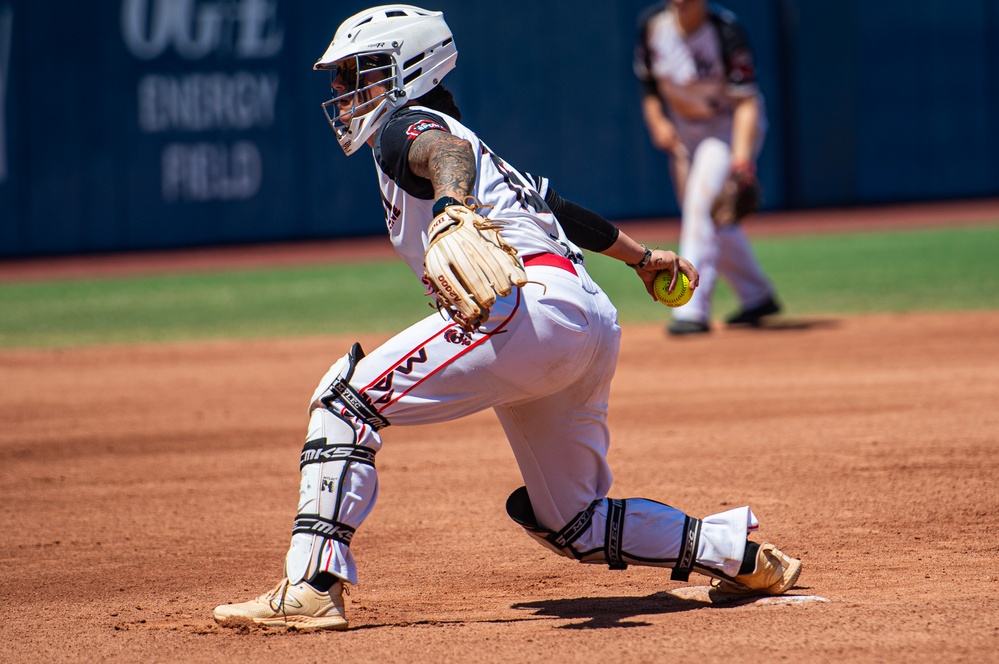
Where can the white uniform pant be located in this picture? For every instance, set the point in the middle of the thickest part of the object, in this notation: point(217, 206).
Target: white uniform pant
point(543, 362)
point(698, 176)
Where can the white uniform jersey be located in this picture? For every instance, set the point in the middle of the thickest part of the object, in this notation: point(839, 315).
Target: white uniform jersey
point(507, 195)
point(700, 75)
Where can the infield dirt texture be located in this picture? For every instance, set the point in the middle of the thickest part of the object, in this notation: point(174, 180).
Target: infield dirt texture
point(142, 485)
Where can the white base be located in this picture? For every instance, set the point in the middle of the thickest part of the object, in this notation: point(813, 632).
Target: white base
point(703, 594)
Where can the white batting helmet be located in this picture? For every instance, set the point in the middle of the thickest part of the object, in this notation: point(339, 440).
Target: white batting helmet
point(412, 48)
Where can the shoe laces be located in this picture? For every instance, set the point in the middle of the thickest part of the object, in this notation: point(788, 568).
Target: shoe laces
point(282, 590)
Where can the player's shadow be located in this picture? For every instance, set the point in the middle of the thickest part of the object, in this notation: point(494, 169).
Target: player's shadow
point(784, 324)
point(604, 612)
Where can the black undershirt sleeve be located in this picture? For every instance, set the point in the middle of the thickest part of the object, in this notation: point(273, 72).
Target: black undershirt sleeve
point(391, 147)
point(584, 227)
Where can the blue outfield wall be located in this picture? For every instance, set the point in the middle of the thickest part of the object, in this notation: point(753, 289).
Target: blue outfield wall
point(151, 124)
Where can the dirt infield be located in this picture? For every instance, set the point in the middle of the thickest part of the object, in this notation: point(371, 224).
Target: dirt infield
point(142, 485)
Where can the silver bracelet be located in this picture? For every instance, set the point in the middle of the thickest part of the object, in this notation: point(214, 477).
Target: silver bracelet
point(645, 259)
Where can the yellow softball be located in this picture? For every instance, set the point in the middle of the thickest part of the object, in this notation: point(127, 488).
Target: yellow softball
point(681, 293)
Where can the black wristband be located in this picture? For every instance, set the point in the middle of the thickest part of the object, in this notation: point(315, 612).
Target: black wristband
point(443, 202)
point(645, 259)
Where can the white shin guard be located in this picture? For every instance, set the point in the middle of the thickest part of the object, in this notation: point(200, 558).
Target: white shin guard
point(638, 531)
point(339, 488)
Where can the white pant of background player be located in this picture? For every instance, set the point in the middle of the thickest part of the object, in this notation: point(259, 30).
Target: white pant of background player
point(544, 365)
point(699, 171)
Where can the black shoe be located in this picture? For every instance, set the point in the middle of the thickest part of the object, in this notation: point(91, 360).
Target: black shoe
point(687, 327)
point(753, 315)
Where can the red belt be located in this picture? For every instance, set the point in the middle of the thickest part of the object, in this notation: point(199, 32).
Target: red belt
point(551, 260)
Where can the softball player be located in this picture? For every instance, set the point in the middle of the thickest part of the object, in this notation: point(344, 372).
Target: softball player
point(702, 107)
point(542, 355)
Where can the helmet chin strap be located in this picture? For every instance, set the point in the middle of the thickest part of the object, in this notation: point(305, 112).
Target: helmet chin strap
point(362, 127)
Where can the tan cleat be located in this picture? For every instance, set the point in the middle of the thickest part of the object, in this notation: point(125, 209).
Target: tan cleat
point(775, 574)
point(300, 607)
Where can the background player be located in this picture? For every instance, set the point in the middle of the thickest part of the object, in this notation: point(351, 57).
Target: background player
point(542, 355)
point(702, 107)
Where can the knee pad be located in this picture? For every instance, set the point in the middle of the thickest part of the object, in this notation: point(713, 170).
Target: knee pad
point(519, 507)
point(335, 391)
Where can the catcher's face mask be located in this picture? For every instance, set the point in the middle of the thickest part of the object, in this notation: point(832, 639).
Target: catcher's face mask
point(359, 85)
point(407, 48)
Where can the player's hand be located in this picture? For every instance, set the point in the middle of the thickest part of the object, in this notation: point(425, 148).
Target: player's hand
point(664, 137)
point(663, 259)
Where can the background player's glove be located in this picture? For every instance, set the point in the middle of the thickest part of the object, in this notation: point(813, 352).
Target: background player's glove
point(738, 198)
point(468, 264)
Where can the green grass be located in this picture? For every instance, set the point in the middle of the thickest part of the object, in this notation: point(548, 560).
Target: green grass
point(890, 272)
point(925, 270)
point(258, 303)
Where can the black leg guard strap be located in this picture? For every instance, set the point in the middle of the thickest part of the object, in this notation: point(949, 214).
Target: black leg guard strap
point(318, 451)
point(518, 506)
point(314, 524)
point(359, 405)
point(574, 528)
point(688, 550)
point(614, 534)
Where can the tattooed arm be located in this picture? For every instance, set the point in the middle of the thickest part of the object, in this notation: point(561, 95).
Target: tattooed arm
point(446, 160)
point(467, 265)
